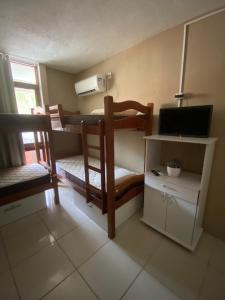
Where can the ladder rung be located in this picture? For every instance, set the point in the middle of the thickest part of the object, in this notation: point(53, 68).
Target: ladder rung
point(94, 147)
point(95, 198)
point(94, 169)
point(93, 189)
point(97, 201)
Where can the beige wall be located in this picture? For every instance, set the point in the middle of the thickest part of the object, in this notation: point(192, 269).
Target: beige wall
point(150, 72)
point(61, 91)
point(143, 73)
point(205, 80)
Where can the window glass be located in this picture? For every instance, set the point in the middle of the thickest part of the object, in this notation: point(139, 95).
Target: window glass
point(23, 73)
point(25, 99)
point(28, 137)
point(23, 76)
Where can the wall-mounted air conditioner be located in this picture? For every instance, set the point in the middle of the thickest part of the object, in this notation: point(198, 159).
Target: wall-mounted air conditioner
point(90, 86)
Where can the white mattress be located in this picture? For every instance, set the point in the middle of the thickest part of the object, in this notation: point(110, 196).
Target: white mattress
point(75, 166)
point(11, 176)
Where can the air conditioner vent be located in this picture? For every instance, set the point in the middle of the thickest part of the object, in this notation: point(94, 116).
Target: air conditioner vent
point(87, 92)
point(90, 86)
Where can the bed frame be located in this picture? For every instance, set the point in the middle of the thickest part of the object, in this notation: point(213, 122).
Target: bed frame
point(104, 126)
point(15, 123)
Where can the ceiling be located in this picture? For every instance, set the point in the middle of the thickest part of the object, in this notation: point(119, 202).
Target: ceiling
point(72, 35)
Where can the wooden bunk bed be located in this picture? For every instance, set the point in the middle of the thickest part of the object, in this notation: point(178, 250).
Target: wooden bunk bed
point(20, 182)
point(111, 193)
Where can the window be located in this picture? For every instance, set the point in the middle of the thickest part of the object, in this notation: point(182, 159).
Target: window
point(26, 86)
point(23, 73)
point(27, 96)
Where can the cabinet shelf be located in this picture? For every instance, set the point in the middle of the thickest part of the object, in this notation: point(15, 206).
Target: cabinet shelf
point(182, 139)
point(186, 179)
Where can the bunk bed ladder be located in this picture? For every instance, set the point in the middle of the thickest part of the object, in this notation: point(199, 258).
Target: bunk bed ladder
point(91, 190)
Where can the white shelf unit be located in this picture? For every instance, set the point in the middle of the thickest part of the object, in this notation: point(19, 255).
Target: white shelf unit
point(175, 205)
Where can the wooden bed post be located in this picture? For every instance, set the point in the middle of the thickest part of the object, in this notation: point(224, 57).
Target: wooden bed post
point(86, 164)
point(50, 145)
point(148, 129)
point(102, 165)
point(47, 147)
point(109, 134)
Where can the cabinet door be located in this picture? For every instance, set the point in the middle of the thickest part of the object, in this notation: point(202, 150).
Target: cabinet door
point(180, 219)
point(154, 208)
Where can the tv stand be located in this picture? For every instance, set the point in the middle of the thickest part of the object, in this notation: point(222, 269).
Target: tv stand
point(175, 205)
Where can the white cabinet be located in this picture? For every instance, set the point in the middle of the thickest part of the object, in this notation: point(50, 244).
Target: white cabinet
point(155, 207)
point(175, 206)
point(169, 214)
point(180, 219)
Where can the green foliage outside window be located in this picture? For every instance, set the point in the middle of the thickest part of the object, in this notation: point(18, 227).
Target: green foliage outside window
point(25, 99)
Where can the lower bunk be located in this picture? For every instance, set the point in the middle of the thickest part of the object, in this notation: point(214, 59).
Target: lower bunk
point(22, 191)
point(128, 189)
point(20, 182)
point(123, 213)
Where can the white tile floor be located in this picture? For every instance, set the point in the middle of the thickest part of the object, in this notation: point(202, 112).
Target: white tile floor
point(59, 253)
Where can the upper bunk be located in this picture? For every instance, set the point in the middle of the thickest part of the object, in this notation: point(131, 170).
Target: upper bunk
point(121, 115)
point(24, 123)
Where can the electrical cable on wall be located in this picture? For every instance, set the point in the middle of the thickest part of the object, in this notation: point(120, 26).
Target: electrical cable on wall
point(180, 96)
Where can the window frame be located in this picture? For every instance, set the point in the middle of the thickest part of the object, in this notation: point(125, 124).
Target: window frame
point(26, 85)
point(29, 86)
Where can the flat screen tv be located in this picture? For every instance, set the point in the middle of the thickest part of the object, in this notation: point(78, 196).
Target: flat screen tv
point(190, 121)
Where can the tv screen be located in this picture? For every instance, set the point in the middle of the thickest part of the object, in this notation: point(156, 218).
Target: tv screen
point(186, 121)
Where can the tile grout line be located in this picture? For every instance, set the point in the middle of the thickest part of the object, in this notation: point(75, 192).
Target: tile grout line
point(56, 242)
point(71, 230)
point(159, 280)
point(10, 268)
point(213, 266)
point(67, 276)
point(142, 269)
point(74, 229)
point(87, 259)
point(20, 219)
point(205, 275)
point(51, 243)
point(75, 268)
point(28, 257)
point(202, 283)
point(55, 238)
point(31, 255)
point(93, 291)
point(132, 282)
